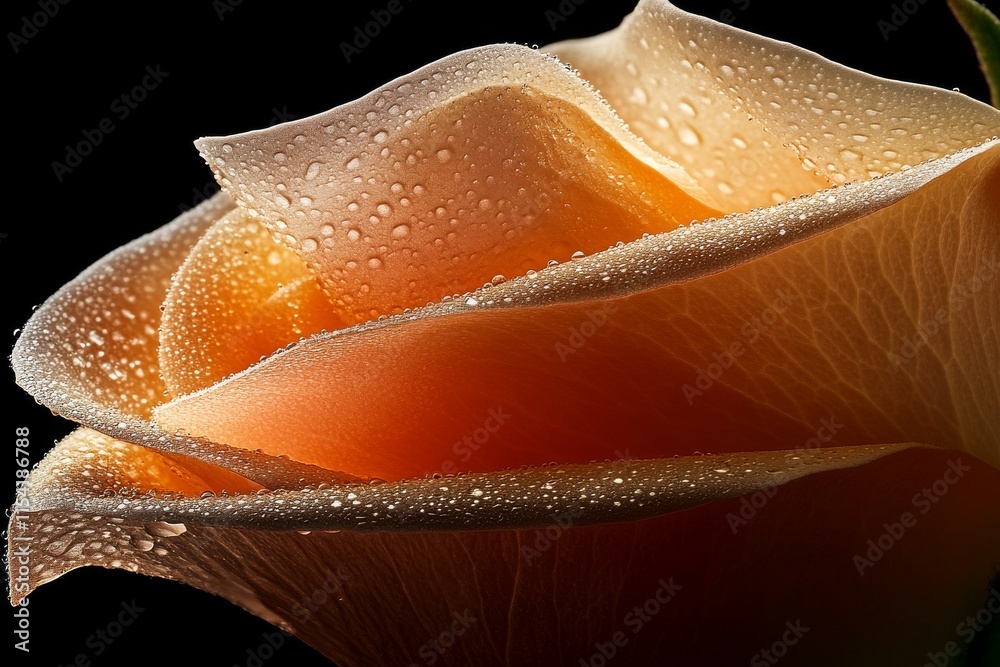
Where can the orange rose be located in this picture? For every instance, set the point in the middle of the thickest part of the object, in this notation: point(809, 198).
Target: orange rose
point(480, 269)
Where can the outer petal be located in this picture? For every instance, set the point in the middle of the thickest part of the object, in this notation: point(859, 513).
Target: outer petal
point(755, 120)
point(655, 580)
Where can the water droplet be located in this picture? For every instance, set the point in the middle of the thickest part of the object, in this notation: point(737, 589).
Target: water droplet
point(164, 529)
point(639, 96)
point(688, 136)
point(309, 245)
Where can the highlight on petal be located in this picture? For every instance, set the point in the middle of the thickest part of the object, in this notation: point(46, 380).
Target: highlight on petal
point(489, 162)
point(488, 557)
point(755, 120)
point(720, 336)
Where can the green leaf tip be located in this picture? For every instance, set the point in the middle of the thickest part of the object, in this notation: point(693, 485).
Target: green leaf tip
point(984, 29)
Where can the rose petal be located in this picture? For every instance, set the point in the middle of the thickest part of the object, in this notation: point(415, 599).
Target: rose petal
point(89, 473)
point(548, 368)
point(90, 351)
point(744, 114)
point(237, 298)
point(793, 560)
point(488, 162)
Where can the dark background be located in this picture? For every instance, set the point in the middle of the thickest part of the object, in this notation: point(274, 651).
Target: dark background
point(234, 67)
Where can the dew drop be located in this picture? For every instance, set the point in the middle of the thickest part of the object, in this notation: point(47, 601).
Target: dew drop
point(164, 529)
point(688, 136)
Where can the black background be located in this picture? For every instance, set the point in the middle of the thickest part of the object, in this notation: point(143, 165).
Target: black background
point(261, 62)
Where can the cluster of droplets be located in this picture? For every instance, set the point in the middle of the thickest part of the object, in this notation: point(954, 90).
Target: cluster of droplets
point(687, 90)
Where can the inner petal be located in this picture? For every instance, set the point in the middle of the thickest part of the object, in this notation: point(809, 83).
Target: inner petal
point(238, 297)
point(490, 163)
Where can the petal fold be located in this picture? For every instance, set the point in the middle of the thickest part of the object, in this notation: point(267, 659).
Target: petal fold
point(489, 162)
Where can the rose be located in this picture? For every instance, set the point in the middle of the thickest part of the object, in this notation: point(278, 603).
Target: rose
point(586, 316)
